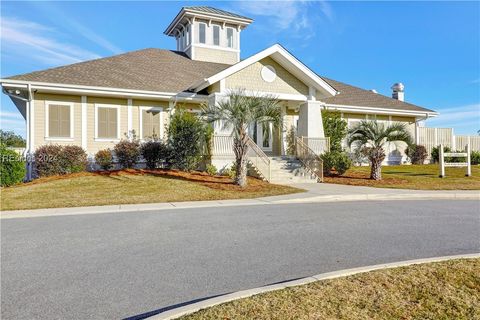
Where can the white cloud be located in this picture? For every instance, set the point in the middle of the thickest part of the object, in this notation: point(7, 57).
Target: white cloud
point(296, 16)
point(66, 21)
point(12, 121)
point(461, 118)
point(30, 40)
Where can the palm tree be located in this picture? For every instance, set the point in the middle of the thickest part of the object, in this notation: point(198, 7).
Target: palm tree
point(372, 136)
point(238, 112)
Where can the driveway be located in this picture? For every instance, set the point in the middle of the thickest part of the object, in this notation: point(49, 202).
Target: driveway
point(120, 265)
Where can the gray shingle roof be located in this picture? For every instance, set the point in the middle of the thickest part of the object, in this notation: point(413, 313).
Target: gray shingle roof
point(208, 9)
point(147, 69)
point(172, 71)
point(354, 96)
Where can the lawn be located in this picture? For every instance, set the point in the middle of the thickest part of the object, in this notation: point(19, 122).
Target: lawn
point(420, 177)
point(132, 186)
point(444, 290)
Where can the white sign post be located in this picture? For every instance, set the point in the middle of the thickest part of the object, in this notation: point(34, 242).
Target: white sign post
point(444, 164)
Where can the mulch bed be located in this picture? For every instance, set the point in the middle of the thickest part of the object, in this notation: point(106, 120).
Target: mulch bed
point(214, 182)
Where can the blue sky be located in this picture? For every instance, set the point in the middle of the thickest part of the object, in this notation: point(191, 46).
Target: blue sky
point(432, 47)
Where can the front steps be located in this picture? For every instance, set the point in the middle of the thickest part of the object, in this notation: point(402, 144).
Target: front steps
point(288, 170)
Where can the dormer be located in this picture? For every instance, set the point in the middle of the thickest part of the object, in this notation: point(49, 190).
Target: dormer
point(208, 34)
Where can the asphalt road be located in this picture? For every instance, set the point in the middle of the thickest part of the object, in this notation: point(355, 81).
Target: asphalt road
point(121, 265)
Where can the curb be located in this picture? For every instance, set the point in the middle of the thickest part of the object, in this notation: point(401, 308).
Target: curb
point(15, 214)
point(182, 311)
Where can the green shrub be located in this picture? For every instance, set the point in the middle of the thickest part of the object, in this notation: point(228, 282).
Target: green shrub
point(230, 172)
point(416, 153)
point(12, 167)
point(127, 153)
point(475, 157)
point(104, 159)
point(436, 155)
point(334, 127)
point(154, 153)
point(186, 138)
point(343, 163)
point(291, 141)
point(73, 159)
point(211, 169)
point(53, 159)
point(334, 160)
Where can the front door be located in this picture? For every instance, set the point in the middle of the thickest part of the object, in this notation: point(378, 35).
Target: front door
point(265, 135)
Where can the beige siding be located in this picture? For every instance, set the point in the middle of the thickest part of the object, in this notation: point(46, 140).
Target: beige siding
point(214, 88)
point(148, 103)
point(94, 145)
point(250, 79)
point(40, 122)
point(215, 55)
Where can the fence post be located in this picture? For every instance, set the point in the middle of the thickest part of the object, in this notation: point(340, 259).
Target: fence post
point(435, 137)
point(469, 163)
point(454, 143)
point(441, 161)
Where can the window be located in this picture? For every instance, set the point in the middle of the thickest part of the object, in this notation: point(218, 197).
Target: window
point(151, 122)
point(230, 37)
point(216, 35)
point(202, 32)
point(60, 120)
point(183, 39)
point(107, 122)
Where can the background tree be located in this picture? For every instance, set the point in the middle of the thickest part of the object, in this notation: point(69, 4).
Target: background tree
point(11, 139)
point(372, 136)
point(239, 112)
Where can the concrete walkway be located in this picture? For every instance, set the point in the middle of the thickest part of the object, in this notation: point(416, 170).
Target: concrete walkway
point(316, 192)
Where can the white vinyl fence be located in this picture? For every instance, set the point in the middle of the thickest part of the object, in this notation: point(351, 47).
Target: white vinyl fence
point(433, 137)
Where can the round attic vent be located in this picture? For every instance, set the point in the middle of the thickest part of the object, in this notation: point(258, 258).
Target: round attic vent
point(268, 73)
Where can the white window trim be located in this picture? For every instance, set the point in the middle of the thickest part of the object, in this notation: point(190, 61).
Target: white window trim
point(47, 120)
point(101, 105)
point(154, 108)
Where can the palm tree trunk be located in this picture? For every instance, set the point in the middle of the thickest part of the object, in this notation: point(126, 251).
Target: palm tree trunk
point(376, 171)
point(240, 148)
point(377, 155)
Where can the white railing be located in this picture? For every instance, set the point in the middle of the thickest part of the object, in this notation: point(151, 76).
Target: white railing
point(223, 147)
point(317, 145)
point(311, 161)
point(259, 159)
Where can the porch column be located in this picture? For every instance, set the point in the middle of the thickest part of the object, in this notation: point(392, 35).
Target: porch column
point(310, 120)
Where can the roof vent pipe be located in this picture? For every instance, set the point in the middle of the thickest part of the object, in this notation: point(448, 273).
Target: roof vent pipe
point(398, 91)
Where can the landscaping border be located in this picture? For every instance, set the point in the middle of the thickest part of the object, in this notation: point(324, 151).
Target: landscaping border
point(191, 308)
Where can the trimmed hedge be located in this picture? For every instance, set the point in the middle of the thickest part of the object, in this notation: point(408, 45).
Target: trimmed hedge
point(127, 153)
point(334, 160)
point(154, 153)
point(12, 167)
point(54, 159)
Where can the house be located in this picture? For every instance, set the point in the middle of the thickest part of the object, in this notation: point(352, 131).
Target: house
point(95, 103)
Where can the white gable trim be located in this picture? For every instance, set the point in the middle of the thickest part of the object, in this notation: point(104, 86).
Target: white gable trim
point(373, 110)
point(314, 79)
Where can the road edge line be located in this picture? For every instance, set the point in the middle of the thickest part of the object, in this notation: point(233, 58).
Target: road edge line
point(192, 308)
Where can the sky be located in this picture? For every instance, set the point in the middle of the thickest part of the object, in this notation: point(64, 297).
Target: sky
point(433, 48)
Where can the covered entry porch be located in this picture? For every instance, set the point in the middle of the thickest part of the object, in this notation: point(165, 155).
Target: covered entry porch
point(299, 139)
